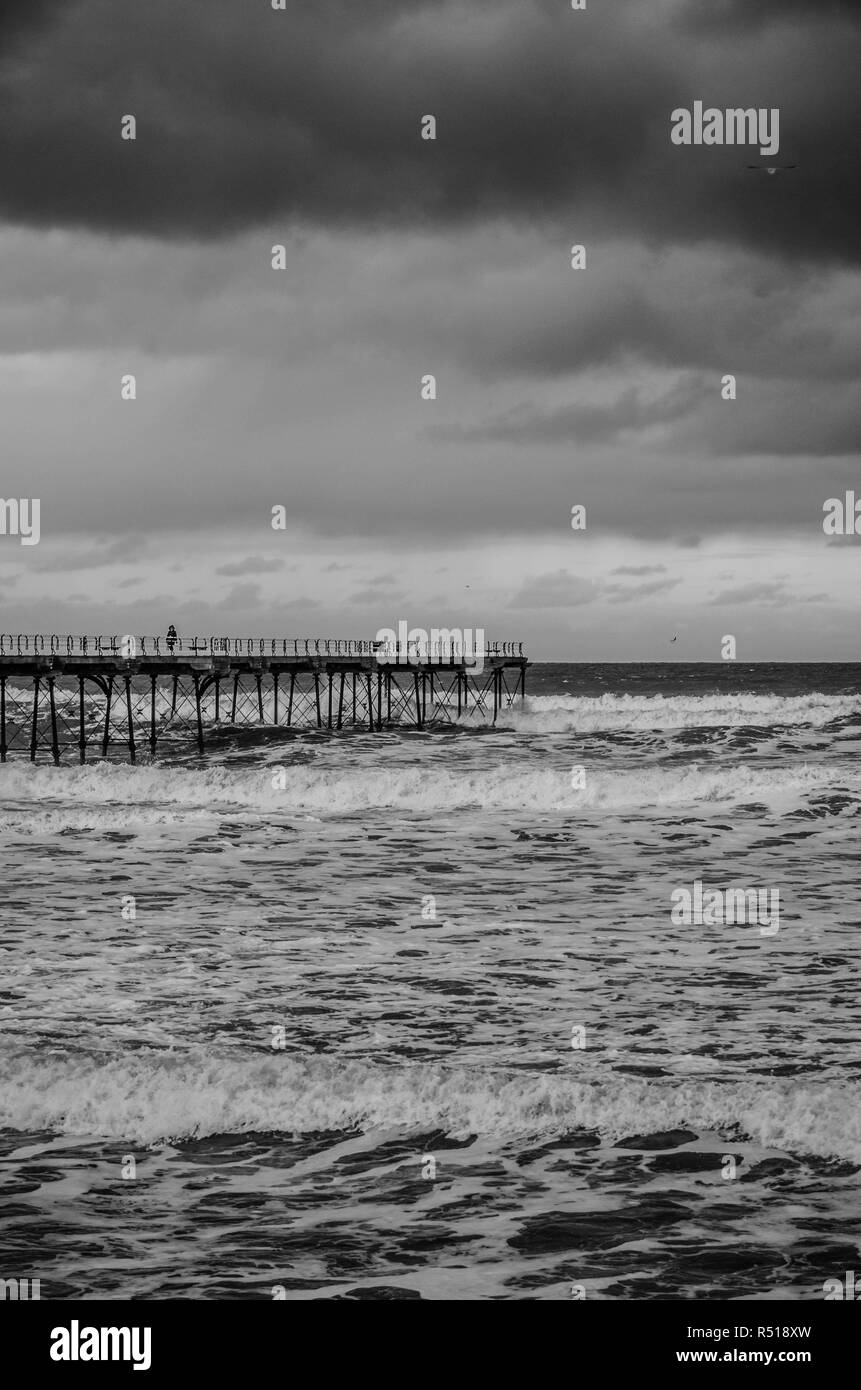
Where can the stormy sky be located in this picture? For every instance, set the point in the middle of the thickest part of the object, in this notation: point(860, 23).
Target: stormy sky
point(555, 387)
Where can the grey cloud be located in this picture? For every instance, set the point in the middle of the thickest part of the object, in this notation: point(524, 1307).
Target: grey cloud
point(769, 418)
point(253, 564)
point(738, 16)
point(767, 592)
point(764, 591)
point(618, 593)
point(17, 17)
point(556, 590)
point(242, 597)
point(482, 287)
point(640, 569)
point(693, 309)
point(99, 553)
point(583, 423)
point(313, 116)
point(375, 593)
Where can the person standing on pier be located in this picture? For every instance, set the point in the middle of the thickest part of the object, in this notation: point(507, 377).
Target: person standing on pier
point(171, 638)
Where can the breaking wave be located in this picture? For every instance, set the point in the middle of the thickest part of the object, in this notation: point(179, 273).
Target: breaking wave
point(536, 714)
point(584, 714)
point(112, 796)
point(156, 1097)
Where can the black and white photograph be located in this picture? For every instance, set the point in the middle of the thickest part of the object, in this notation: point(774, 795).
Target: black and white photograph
point(430, 666)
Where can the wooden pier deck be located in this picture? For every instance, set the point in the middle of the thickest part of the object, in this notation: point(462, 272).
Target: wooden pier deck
point(120, 695)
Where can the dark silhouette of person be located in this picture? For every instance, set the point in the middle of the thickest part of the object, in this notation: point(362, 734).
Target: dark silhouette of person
point(171, 638)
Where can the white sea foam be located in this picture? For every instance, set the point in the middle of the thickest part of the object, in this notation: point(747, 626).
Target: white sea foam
point(536, 714)
point(111, 796)
point(148, 1097)
point(557, 713)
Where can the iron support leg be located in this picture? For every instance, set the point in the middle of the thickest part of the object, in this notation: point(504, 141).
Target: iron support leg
point(107, 734)
point(55, 742)
point(199, 712)
point(132, 749)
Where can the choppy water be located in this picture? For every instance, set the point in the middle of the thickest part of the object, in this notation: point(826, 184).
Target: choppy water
point(426, 918)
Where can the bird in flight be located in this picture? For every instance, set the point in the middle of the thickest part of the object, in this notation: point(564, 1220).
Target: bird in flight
point(675, 639)
point(772, 168)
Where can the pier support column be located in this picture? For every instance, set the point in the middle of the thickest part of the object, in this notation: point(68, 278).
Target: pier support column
point(418, 700)
point(330, 680)
point(218, 699)
point(152, 735)
point(290, 705)
point(317, 699)
point(235, 688)
point(130, 718)
point(82, 731)
point(35, 717)
point(2, 719)
point(274, 692)
point(341, 698)
point(259, 696)
point(388, 697)
point(55, 742)
point(107, 734)
point(173, 700)
point(199, 711)
point(370, 703)
point(379, 700)
point(354, 699)
point(495, 695)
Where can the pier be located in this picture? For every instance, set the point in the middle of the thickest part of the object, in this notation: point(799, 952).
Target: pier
point(83, 697)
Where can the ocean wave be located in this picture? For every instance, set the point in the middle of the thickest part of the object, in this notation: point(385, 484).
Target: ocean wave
point(155, 1097)
point(592, 714)
point(115, 796)
point(536, 714)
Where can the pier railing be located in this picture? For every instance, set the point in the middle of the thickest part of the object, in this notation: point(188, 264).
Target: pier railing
point(129, 645)
point(95, 696)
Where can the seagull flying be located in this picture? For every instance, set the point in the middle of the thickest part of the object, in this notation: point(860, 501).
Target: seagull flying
point(772, 168)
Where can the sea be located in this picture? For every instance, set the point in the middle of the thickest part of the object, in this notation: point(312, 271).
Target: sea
point(407, 1015)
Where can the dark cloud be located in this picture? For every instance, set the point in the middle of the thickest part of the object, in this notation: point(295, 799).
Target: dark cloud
point(248, 116)
point(739, 16)
point(22, 16)
point(256, 389)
